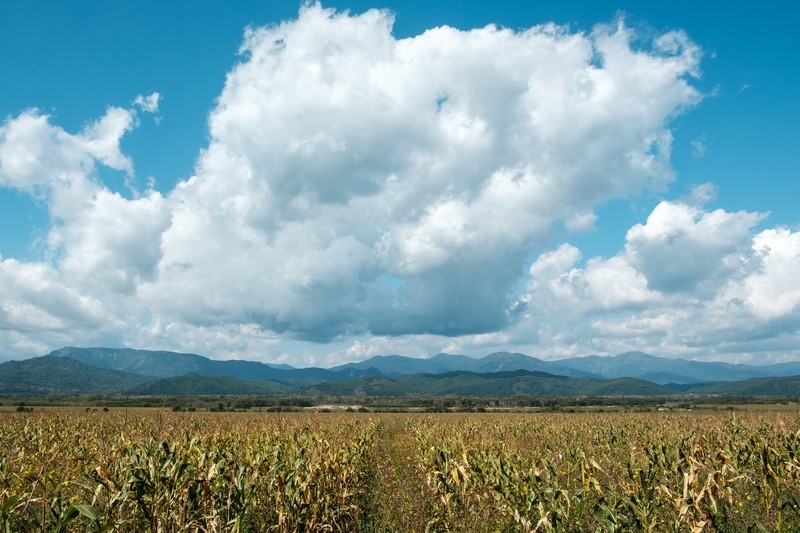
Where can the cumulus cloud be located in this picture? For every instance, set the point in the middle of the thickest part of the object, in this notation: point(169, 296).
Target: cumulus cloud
point(392, 191)
point(99, 244)
point(36, 299)
point(113, 242)
point(773, 290)
point(53, 165)
point(99, 238)
point(683, 248)
point(688, 281)
point(612, 284)
point(340, 154)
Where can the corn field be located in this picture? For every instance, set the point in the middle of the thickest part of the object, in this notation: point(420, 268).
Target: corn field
point(248, 472)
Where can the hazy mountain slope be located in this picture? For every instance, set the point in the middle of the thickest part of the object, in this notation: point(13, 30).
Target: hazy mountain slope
point(364, 386)
point(791, 368)
point(506, 362)
point(60, 375)
point(523, 382)
point(172, 364)
point(464, 383)
point(63, 375)
point(783, 386)
point(624, 387)
point(660, 369)
point(73, 370)
point(157, 364)
point(399, 365)
point(198, 385)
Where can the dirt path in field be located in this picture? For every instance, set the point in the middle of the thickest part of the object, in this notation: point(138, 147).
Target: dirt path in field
point(399, 488)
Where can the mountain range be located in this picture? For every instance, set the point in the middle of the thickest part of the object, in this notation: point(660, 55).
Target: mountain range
point(73, 371)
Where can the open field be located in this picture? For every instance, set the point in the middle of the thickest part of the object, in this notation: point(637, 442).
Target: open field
point(71, 470)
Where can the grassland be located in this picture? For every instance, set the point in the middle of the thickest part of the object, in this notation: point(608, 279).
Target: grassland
point(71, 470)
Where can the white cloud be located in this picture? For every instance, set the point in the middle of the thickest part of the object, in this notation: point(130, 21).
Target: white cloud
point(440, 159)
point(113, 244)
point(340, 157)
point(46, 161)
point(551, 265)
point(36, 300)
point(773, 290)
point(101, 241)
point(699, 148)
point(701, 194)
point(99, 245)
point(683, 248)
point(611, 284)
point(582, 222)
point(688, 282)
point(148, 104)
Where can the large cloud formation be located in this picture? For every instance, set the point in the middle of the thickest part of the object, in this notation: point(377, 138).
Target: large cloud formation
point(689, 281)
point(357, 185)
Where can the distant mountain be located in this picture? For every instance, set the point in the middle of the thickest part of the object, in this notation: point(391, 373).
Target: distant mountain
point(364, 386)
point(463, 383)
point(73, 370)
point(197, 385)
point(171, 364)
point(49, 375)
point(518, 382)
point(662, 370)
point(791, 368)
point(639, 365)
point(506, 361)
point(157, 364)
point(785, 386)
point(401, 365)
point(527, 383)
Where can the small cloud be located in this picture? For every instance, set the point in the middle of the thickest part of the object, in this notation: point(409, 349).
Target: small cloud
point(701, 194)
point(148, 104)
point(582, 222)
point(699, 147)
point(744, 87)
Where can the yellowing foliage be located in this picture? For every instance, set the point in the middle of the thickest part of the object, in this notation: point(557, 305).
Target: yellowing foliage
point(251, 472)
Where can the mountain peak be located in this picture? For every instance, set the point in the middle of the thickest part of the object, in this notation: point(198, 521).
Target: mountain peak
point(636, 355)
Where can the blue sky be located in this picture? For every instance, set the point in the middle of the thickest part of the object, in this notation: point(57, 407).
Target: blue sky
point(670, 257)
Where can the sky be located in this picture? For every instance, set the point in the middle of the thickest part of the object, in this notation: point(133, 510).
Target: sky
point(314, 184)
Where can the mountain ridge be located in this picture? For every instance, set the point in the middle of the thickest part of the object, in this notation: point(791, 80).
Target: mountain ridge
point(164, 364)
point(661, 370)
point(47, 375)
point(671, 370)
point(72, 370)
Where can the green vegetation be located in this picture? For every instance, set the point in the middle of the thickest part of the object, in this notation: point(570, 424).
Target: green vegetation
point(61, 375)
point(461, 383)
point(788, 386)
point(195, 384)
